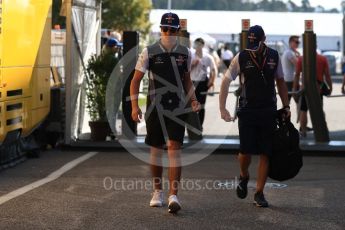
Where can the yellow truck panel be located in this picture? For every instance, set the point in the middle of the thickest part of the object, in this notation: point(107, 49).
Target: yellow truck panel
point(25, 36)
point(1, 45)
point(23, 28)
point(16, 83)
point(36, 116)
point(13, 115)
point(40, 88)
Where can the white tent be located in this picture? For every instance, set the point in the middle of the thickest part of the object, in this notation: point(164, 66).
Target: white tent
point(223, 25)
point(82, 40)
point(274, 23)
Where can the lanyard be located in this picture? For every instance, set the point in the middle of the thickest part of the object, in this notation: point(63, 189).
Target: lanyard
point(261, 68)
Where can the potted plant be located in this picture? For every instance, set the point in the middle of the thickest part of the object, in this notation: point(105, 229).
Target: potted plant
point(99, 68)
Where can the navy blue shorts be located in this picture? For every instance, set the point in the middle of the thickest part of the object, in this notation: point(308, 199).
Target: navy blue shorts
point(256, 130)
point(162, 128)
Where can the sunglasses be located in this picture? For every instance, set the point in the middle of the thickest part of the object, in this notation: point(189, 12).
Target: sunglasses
point(297, 42)
point(167, 28)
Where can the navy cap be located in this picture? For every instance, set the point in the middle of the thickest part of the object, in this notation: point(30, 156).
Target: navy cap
point(170, 20)
point(111, 42)
point(255, 36)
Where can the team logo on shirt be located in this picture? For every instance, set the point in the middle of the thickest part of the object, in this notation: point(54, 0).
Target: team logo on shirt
point(271, 63)
point(249, 64)
point(158, 60)
point(180, 60)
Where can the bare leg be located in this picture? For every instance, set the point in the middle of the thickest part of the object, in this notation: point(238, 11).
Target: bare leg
point(303, 122)
point(262, 173)
point(174, 154)
point(156, 167)
point(244, 160)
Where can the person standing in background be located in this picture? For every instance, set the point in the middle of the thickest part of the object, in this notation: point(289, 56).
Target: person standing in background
point(289, 61)
point(202, 63)
point(343, 86)
point(322, 75)
point(343, 72)
point(227, 55)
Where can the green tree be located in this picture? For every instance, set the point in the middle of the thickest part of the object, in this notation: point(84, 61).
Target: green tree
point(292, 6)
point(306, 6)
point(264, 4)
point(333, 10)
point(278, 6)
point(159, 4)
point(124, 15)
point(238, 5)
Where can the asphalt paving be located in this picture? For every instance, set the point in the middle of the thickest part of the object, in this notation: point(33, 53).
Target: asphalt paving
point(112, 190)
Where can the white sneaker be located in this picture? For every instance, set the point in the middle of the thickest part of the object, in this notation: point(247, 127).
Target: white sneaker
point(174, 205)
point(157, 199)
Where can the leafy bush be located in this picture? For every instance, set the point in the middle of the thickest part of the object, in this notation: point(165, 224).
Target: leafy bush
point(99, 69)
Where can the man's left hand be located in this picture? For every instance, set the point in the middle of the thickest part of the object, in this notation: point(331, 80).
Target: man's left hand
point(195, 106)
point(287, 114)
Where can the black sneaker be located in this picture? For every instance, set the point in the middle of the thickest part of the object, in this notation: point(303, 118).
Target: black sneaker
point(241, 189)
point(308, 129)
point(259, 200)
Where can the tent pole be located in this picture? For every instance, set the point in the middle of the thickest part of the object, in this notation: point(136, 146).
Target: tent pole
point(68, 70)
point(99, 18)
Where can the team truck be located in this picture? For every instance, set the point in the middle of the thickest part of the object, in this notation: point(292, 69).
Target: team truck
point(25, 38)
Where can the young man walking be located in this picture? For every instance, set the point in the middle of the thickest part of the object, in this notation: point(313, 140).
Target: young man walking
point(259, 68)
point(322, 74)
point(170, 91)
point(203, 73)
point(289, 61)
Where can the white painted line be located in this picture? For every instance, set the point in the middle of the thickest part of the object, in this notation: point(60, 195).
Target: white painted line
point(51, 177)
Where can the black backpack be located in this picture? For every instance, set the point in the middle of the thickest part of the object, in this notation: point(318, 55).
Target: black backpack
point(286, 159)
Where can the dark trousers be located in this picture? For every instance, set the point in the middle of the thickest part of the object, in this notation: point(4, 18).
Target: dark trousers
point(289, 85)
point(201, 93)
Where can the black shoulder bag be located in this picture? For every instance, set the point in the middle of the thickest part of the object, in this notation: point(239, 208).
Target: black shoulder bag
point(286, 159)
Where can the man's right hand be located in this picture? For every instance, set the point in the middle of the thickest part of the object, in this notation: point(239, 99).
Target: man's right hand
point(225, 115)
point(136, 114)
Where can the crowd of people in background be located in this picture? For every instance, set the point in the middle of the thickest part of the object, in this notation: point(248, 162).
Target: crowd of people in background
point(209, 63)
